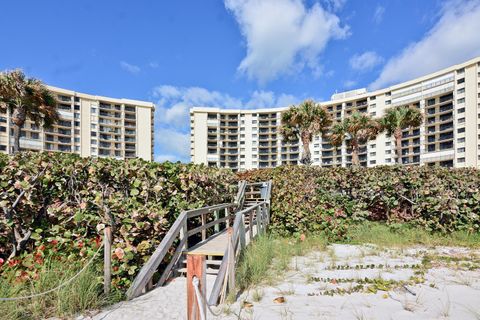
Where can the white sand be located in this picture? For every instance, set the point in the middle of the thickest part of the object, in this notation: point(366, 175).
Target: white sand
point(448, 293)
point(450, 290)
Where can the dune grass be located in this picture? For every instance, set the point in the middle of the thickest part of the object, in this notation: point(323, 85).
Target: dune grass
point(83, 293)
point(400, 235)
point(269, 256)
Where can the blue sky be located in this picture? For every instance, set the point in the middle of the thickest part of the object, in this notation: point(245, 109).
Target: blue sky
point(232, 53)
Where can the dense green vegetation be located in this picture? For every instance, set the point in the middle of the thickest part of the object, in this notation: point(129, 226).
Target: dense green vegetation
point(310, 199)
point(68, 200)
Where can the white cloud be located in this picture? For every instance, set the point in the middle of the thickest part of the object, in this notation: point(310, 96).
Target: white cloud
point(335, 5)
point(177, 143)
point(365, 61)
point(453, 39)
point(153, 65)
point(283, 36)
point(378, 14)
point(133, 69)
point(350, 84)
point(166, 157)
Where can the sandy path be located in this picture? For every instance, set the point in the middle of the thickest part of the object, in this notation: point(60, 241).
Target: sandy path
point(451, 292)
point(169, 302)
point(449, 288)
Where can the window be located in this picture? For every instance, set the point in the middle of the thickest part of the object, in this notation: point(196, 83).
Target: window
point(373, 161)
point(373, 97)
point(388, 143)
point(462, 80)
point(461, 140)
point(373, 146)
point(461, 150)
point(461, 160)
point(461, 120)
point(373, 154)
point(388, 160)
point(461, 90)
point(388, 102)
point(461, 110)
point(388, 151)
point(93, 110)
point(3, 129)
point(462, 100)
point(461, 130)
point(373, 105)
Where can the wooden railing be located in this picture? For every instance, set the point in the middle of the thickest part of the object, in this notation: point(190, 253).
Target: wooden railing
point(179, 232)
point(248, 223)
point(242, 225)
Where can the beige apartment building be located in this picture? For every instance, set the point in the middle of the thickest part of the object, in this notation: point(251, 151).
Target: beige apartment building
point(450, 135)
point(89, 126)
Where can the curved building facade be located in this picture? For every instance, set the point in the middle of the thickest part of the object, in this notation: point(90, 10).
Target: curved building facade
point(449, 136)
point(89, 125)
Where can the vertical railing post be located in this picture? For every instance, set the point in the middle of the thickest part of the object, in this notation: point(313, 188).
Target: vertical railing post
point(216, 215)
point(204, 231)
point(107, 258)
point(231, 260)
point(227, 214)
point(196, 267)
point(250, 222)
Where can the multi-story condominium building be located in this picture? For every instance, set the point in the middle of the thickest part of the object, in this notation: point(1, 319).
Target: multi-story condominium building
point(449, 136)
point(89, 126)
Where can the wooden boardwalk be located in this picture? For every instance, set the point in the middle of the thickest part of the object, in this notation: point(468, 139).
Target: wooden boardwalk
point(217, 244)
point(224, 229)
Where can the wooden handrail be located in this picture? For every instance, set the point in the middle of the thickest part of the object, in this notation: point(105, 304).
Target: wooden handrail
point(262, 210)
point(179, 230)
point(151, 266)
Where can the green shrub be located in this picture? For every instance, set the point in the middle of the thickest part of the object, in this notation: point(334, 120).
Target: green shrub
point(67, 205)
point(324, 199)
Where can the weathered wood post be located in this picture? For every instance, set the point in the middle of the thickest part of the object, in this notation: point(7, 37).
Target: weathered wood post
point(216, 215)
point(204, 221)
point(250, 223)
point(107, 258)
point(231, 260)
point(196, 267)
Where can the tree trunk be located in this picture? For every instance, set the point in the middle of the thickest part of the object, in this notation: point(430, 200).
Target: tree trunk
point(16, 138)
point(398, 144)
point(355, 159)
point(306, 156)
point(18, 120)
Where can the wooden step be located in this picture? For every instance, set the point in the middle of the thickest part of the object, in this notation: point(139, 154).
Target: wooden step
point(209, 270)
point(209, 262)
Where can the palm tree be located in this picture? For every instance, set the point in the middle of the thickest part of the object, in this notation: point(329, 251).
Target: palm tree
point(303, 122)
point(356, 130)
point(26, 98)
point(396, 119)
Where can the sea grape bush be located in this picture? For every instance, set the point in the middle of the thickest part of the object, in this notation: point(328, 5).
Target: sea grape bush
point(68, 200)
point(313, 198)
